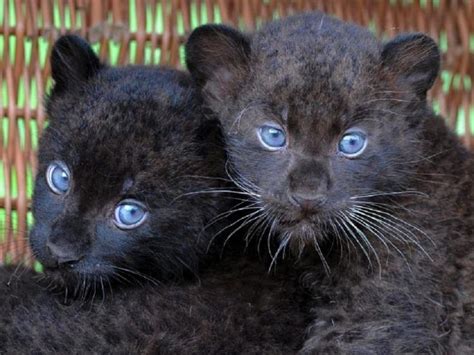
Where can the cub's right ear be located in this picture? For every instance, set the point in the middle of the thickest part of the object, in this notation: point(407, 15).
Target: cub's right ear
point(72, 61)
point(217, 56)
point(413, 59)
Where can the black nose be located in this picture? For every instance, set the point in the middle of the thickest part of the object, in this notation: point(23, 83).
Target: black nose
point(307, 200)
point(63, 255)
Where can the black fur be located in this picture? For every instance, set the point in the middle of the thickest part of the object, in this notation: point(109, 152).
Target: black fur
point(391, 230)
point(138, 133)
point(234, 309)
point(131, 132)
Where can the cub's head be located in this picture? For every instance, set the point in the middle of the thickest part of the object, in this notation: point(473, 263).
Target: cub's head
point(119, 164)
point(321, 120)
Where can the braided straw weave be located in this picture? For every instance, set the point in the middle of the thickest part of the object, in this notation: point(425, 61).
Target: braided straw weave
point(153, 31)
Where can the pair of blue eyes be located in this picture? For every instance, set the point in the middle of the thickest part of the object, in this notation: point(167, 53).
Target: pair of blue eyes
point(128, 213)
point(351, 144)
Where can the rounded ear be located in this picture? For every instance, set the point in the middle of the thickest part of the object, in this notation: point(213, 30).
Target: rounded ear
point(217, 56)
point(412, 59)
point(72, 61)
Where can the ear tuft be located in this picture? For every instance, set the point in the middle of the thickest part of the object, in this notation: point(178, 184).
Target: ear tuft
point(72, 61)
point(218, 54)
point(414, 59)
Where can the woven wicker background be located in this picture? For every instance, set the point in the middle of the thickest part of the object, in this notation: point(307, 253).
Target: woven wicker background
point(143, 31)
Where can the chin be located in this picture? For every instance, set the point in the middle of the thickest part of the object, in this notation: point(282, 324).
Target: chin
point(78, 278)
point(60, 280)
point(299, 234)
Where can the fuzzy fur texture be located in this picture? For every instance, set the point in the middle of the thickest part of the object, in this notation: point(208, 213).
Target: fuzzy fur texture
point(138, 133)
point(390, 230)
point(130, 133)
point(235, 308)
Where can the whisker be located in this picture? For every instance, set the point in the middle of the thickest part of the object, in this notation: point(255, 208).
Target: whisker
point(225, 214)
point(327, 269)
point(366, 241)
point(139, 274)
point(207, 177)
point(338, 221)
point(230, 226)
point(373, 228)
point(103, 291)
point(388, 215)
point(347, 229)
point(211, 191)
point(396, 227)
point(242, 225)
point(393, 193)
point(281, 247)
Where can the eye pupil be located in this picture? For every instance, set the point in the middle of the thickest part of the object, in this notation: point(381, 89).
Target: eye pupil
point(64, 177)
point(273, 132)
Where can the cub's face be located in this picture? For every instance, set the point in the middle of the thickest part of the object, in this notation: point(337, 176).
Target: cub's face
point(118, 164)
point(321, 120)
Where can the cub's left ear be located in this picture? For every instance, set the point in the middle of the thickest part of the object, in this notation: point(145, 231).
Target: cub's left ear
point(217, 58)
point(72, 61)
point(414, 60)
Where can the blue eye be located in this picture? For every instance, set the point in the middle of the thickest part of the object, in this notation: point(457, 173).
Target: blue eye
point(271, 137)
point(58, 177)
point(129, 214)
point(353, 143)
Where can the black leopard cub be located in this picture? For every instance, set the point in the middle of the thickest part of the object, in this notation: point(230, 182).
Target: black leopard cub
point(330, 134)
point(119, 164)
point(130, 193)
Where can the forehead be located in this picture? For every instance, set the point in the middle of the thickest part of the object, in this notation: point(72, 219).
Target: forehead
point(109, 136)
point(107, 130)
point(315, 62)
point(103, 162)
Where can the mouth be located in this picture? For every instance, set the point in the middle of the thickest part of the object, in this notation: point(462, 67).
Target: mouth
point(72, 275)
point(305, 218)
point(300, 219)
point(71, 286)
point(303, 228)
point(59, 280)
point(299, 229)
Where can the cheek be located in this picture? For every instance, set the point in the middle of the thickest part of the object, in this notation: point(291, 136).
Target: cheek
point(379, 168)
point(46, 205)
point(37, 239)
point(253, 162)
point(109, 251)
point(267, 170)
point(46, 209)
point(111, 243)
point(350, 174)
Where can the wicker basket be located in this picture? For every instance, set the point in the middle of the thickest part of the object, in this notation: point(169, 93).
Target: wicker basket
point(151, 31)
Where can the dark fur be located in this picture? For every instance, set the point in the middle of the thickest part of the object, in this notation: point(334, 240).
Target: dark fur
point(234, 309)
point(138, 132)
point(131, 132)
point(391, 231)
